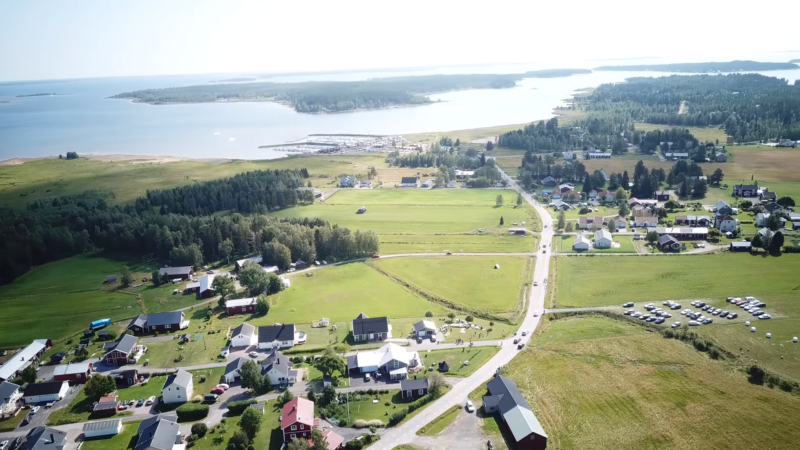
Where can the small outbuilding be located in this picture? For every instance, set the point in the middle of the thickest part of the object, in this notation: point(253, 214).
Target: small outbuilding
point(444, 367)
point(102, 428)
point(581, 244)
point(414, 389)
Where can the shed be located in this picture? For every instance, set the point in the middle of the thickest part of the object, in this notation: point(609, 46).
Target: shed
point(102, 428)
point(444, 367)
point(111, 279)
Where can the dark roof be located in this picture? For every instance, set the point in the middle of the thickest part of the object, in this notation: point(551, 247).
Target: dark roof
point(107, 347)
point(41, 438)
point(444, 367)
point(153, 419)
point(408, 180)
point(512, 397)
point(276, 360)
point(770, 194)
point(53, 387)
point(58, 356)
point(772, 207)
point(747, 187)
point(365, 325)
point(185, 270)
point(244, 329)
point(492, 401)
point(7, 389)
point(101, 424)
point(236, 364)
point(271, 333)
point(104, 406)
point(139, 321)
point(180, 378)
point(413, 385)
point(514, 408)
point(124, 374)
point(666, 239)
point(165, 318)
point(125, 344)
point(161, 435)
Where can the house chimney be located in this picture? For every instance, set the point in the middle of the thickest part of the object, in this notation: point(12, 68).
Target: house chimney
point(52, 439)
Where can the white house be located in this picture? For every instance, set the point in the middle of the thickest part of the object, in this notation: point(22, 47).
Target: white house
point(102, 428)
point(645, 221)
point(276, 336)
point(719, 205)
point(244, 336)
point(726, 223)
point(10, 394)
point(569, 155)
point(233, 370)
point(581, 243)
point(19, 361)
point(178, 388)
point(424, 328)
point(602, 239)
point(45, 392)
point(391, 359)
point(761, 219)
point(279, 369)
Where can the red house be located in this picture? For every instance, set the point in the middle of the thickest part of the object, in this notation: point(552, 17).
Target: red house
point(297, 420)
point(241, 306)
point(122, 352)
point(106, 407)
point(74, 373)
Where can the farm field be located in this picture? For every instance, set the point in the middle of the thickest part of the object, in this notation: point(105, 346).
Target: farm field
point(465, 135)
point(564, 245)
point(634, 389)
point(471, 281)
point(75, 287)
point(131, 179)
point(457, 243)
point(574, 213)
point(457, 357)
point(702, 134)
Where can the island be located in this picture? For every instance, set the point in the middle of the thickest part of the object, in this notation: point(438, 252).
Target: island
point(704, 67)
point(234, 80)
point(340, 96)
point(40, 94)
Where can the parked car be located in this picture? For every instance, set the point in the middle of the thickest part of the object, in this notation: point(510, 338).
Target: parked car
point(701, 304)
point(375, 255)
point(630, 312)
point(660, 320)
point(150, 400)
point(16, 442)
point(693, 323)
point(132, 403)
point(469, 406)
point(637, 315)
point(716, 312)
point(652, 319)
point(628, 305)
point(520, 345)
point(732, 316)
point(210, 398)
point(676, 325)
point(707, 321)
point(35, 409)
point(140, 402)
point(218, 391)
point(3, 445)
point(764, 316)
point(253, 354)
point(666, 315)
point(224, 386)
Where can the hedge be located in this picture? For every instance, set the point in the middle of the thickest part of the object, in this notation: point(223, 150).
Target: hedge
point(191, 411)
point(236, 408)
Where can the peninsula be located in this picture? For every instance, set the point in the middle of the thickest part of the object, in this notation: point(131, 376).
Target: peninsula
point(705, 67)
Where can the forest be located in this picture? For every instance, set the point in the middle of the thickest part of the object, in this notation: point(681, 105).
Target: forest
point(336, 96)
point(177, 225)
point(749, 107)
point(595, 131)
point(704, 67)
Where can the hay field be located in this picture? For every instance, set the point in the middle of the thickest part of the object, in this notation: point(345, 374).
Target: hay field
point(702, 134)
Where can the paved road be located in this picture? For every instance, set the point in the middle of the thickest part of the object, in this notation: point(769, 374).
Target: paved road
point(406, 432)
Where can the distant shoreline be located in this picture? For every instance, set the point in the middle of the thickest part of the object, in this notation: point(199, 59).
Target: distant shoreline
point(136, 159)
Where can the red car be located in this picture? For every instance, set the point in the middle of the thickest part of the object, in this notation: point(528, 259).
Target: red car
point(218, 391)
point(375, 255)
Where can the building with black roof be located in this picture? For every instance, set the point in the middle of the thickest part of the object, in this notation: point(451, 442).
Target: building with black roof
point(413, 389)
point(371, 329)
point(507, 401)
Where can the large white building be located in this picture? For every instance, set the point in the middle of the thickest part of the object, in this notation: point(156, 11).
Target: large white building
point(391, 359)
point(178, 388)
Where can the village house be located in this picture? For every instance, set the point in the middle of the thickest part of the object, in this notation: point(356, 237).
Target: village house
point(566, 187)
point(176, 273)
point(662, 196)
point(592, 194)
point(45, 392)
point(598, 155)
point(244, 335)
point(725, 223)
point(462, 174)
point(408, 182)
point(745, 190)
point(772, 207)
point(556, 195)
point(107, 406)
point(581, 243)
point(645, 221)
point(125, 350)
point(279, 369)
point(667, 242)
point(241, 306)
point(366, 184)
point(74, 373)
point(178, 388)
point(506, 400)
point(692, 234)
point(549, 181)
point(19, 361)
point(347, 181)
point(720, 157)
point(722, 208)
point(633, 201)
point(571, 196)
point(743, 246)
point(676, 156)
point(10, 394)
point(569, 155)
point(602, 239)
point(761, 219)
point(233, 370)
point(452, 184)
point(391, 360)
point(276, 336)
point(297, 419)
point(588, 222)
point(102, 428)
point(158, 322)
point(240, 263)
point(371, 329)
point(621, 223)
point(424, 328)
point(428, 184)
point(160, 432)
point(205, 286)
point(558, 204)
point(44, 438)
point(692, 220)
point(769, 196)
point(414, 389)
point(125, 378)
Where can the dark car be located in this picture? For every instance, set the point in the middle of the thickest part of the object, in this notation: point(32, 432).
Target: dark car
point(16, 442)
point(660, 320)
point(520, 345)
point(516, 341)
point(210, 398)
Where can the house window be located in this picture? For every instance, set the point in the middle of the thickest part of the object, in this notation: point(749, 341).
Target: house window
point(304, 435)
point(301, 427)
point(167, 326)
point(153, 327)
point(293, 436)
point(420, 392)
point(294, 427)
point(396, 364)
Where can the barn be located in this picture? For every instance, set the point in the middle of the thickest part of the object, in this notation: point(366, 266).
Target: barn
point(73, 373)
point(241, 306)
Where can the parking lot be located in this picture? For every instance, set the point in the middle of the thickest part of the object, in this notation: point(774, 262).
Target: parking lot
point(702, 314)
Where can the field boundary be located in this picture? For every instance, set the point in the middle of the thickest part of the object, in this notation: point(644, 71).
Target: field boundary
point(433, 298)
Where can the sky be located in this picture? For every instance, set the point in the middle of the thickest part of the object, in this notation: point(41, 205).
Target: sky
point(91, 38)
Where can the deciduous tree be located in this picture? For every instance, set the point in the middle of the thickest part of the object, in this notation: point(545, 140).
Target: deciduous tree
point(223, 286)
point(127, 278)
point(253, 278)
point(251, 422)
point(99, 385)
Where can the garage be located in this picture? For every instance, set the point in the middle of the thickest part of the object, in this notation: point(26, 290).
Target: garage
point(102, 428)
point(45, 392)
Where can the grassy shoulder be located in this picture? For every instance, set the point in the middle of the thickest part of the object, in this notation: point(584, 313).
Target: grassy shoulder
point(11, 423)
point(438, 424)
point(594, 383)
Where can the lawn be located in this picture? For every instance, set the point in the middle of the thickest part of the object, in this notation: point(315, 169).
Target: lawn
point(564, 245)
point(364, 407)
point(11, 423)
point(125, 440)
point(438, 424)
point(574, 213)
point(268, 437)
point(131, 179)
point(456, 243)
point(341, 293)
point(457, 357)
point(636, 389)
point(75, 288)
point(469, 281)
point(499, 330)
point(587, 282)
point(212, 333)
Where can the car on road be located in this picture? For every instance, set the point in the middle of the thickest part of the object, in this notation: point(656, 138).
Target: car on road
point(469, 406)
point(150, 400)
point(535, 283)
point(3, 445)
point(218, 391)
point(375, 255)
point(544, 251)
point(367, 377)
point(536, 313)
point(516, 340)
point(449, 253)
point(16, 442)
point(520, 345)
point(210, 398)
point(524, 332)
point(253, 354)
point(140, 402)
point(35, 409)
point(224, 386)
point(628, 305)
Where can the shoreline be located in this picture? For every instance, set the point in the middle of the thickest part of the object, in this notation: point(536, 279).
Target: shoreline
point(136, 159)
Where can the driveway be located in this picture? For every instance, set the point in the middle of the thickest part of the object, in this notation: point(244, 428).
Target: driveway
point(465, 433)
point(40, 417)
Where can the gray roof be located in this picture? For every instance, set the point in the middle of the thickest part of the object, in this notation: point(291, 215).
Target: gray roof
point(236, 364)
point(408, 180)
point(413, 385)
point(278, 361)
point(139, 321)
point(161, 434)
point(365, 325)
point(245, 329)
point(125, 344)
point(153, 419)
point(665, 239)
point(185, 270)
point(741, 244)
point(106, 405)
point(422, 325)
point(41, 438)
point(514, 408)
point(165, 318)
point(102, 424)
point(276, 333)
point(180, 378)
point(7, 389)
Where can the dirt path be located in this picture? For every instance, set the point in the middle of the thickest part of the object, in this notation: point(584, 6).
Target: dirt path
point(683, 108)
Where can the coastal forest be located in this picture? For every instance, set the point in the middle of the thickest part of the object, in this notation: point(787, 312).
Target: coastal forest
point(337, 96)
point(185, 225)
point(705, 67)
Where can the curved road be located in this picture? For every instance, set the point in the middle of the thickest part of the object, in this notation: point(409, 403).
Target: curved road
point(406, 432)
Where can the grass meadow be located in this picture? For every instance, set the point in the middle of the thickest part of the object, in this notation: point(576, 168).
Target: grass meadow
point(456, 243)
point(269, 436)
point(702, 134)
point(595, 383)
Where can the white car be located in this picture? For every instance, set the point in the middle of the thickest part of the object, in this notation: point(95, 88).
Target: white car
point(676, 325)
point(150, 400)
point(35, 409)
point(764, 316)
point(253, 354)
point(536, 314)
point(3, 445)
point(223, 386)
point(524, 332)
point(469, 406)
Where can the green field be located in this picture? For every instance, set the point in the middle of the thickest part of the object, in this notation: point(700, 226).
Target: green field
point(594, 383)
point(268, 438)
point(403, 328)
point(463, 361)
point(457, 243)
point(123, 441)
point(131, 179)
point(204, 351)
point(69, 294)
point(574, 213)
point(471, 281)
point(563, 244)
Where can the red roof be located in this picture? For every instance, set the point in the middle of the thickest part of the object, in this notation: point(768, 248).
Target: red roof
point(333, 440)
point(298, 410)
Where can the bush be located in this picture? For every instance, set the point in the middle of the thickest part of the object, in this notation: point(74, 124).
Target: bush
point(202, 379)
point(360, 423)
point(398, 417)
point(199, 429)
point(197, 398)
point(193, 438)
point(428, 314)
point(236, 408)
point(191, 411)
point(755, 375)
